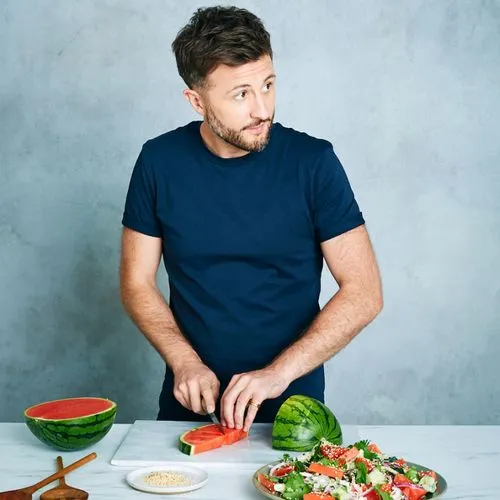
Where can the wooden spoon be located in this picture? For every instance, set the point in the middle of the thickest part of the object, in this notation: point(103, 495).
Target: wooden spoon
point(63, 491)
point(27, 493)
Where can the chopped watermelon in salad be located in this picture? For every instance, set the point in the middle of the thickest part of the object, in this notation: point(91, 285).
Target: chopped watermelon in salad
point(357, 472)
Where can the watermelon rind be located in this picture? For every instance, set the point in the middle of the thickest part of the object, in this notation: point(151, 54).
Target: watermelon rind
point(302, 422)
point(184, 446)
point(71, 434)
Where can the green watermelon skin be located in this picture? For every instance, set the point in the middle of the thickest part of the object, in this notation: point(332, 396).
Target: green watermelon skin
point(301, 423)
point(74, 433)
point(185, 447)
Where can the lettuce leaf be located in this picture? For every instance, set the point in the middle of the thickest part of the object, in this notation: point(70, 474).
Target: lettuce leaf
point(295, 487)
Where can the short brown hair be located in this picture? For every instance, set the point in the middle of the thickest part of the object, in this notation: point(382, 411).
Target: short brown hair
point(218, 35)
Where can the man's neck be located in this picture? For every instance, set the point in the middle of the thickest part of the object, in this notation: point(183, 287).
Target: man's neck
point(219, 146)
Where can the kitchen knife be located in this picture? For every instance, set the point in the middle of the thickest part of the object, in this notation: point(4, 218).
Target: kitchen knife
point(214, 419)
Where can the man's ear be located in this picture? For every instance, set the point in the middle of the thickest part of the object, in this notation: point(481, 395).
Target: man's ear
point(195, 100)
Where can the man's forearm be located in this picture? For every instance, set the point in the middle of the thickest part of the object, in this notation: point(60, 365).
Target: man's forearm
point(152, 315)
point(342, 318)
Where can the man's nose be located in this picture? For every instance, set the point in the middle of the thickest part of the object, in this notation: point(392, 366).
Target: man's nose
point(260, 109)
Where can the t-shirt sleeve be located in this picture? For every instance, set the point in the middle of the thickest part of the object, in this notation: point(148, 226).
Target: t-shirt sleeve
point(140, 205)
point(335, 210)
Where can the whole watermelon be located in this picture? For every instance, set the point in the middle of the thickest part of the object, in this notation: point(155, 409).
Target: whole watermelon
point(301, 423)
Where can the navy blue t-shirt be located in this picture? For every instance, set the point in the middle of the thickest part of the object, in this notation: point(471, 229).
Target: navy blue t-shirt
point(241, 240)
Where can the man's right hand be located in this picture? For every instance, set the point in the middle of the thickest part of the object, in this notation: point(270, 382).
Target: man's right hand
point(196, 387)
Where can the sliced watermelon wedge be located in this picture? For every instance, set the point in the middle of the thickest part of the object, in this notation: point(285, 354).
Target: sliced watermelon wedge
point(208, 437)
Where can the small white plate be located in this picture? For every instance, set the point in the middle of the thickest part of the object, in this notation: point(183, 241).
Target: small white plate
point(198, 478)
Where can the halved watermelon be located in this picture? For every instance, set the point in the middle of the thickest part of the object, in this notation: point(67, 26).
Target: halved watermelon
point(208, 437)
point(301, 423)
point(72, 423)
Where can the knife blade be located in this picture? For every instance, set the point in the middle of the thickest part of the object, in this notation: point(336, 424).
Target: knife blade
point(214, 419)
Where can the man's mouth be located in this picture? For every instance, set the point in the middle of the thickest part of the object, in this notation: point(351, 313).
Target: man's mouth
point(256, 129)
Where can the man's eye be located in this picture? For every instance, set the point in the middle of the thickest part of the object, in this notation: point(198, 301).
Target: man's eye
point(268, 85)
point(241, 95)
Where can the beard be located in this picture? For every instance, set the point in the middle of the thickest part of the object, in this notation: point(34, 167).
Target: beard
point(236, 137)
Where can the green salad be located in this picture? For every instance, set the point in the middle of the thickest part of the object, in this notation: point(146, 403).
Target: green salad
point(356, 472)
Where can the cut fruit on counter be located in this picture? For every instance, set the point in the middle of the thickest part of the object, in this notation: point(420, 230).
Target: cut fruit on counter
point(72, 423)
point(302, 422)
point(208, 437)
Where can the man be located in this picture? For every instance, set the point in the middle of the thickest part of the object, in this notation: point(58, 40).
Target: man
point(243, 211)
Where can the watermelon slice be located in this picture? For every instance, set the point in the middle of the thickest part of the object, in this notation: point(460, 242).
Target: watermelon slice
point(208, 437)
point(301, 423)
point(72, 423)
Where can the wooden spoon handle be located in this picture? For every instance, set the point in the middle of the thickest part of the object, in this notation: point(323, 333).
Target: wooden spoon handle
point(60, 466)
point(60, 473)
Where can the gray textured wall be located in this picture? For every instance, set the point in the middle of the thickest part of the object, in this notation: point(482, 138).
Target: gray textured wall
point(407, 91)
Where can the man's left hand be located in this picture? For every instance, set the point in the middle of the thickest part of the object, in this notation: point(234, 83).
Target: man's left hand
point(246, 392)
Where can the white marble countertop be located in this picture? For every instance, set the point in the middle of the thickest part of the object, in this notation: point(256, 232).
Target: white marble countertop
point(459, 453)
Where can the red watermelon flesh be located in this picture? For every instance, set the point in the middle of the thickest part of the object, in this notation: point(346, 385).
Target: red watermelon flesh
point(208, 437)
point(69, 408)
point(233, 435)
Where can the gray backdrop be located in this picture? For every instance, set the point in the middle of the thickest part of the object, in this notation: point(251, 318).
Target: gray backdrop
point(408, 92)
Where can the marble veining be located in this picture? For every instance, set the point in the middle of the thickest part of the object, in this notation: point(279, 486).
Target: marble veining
point(456, 452)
